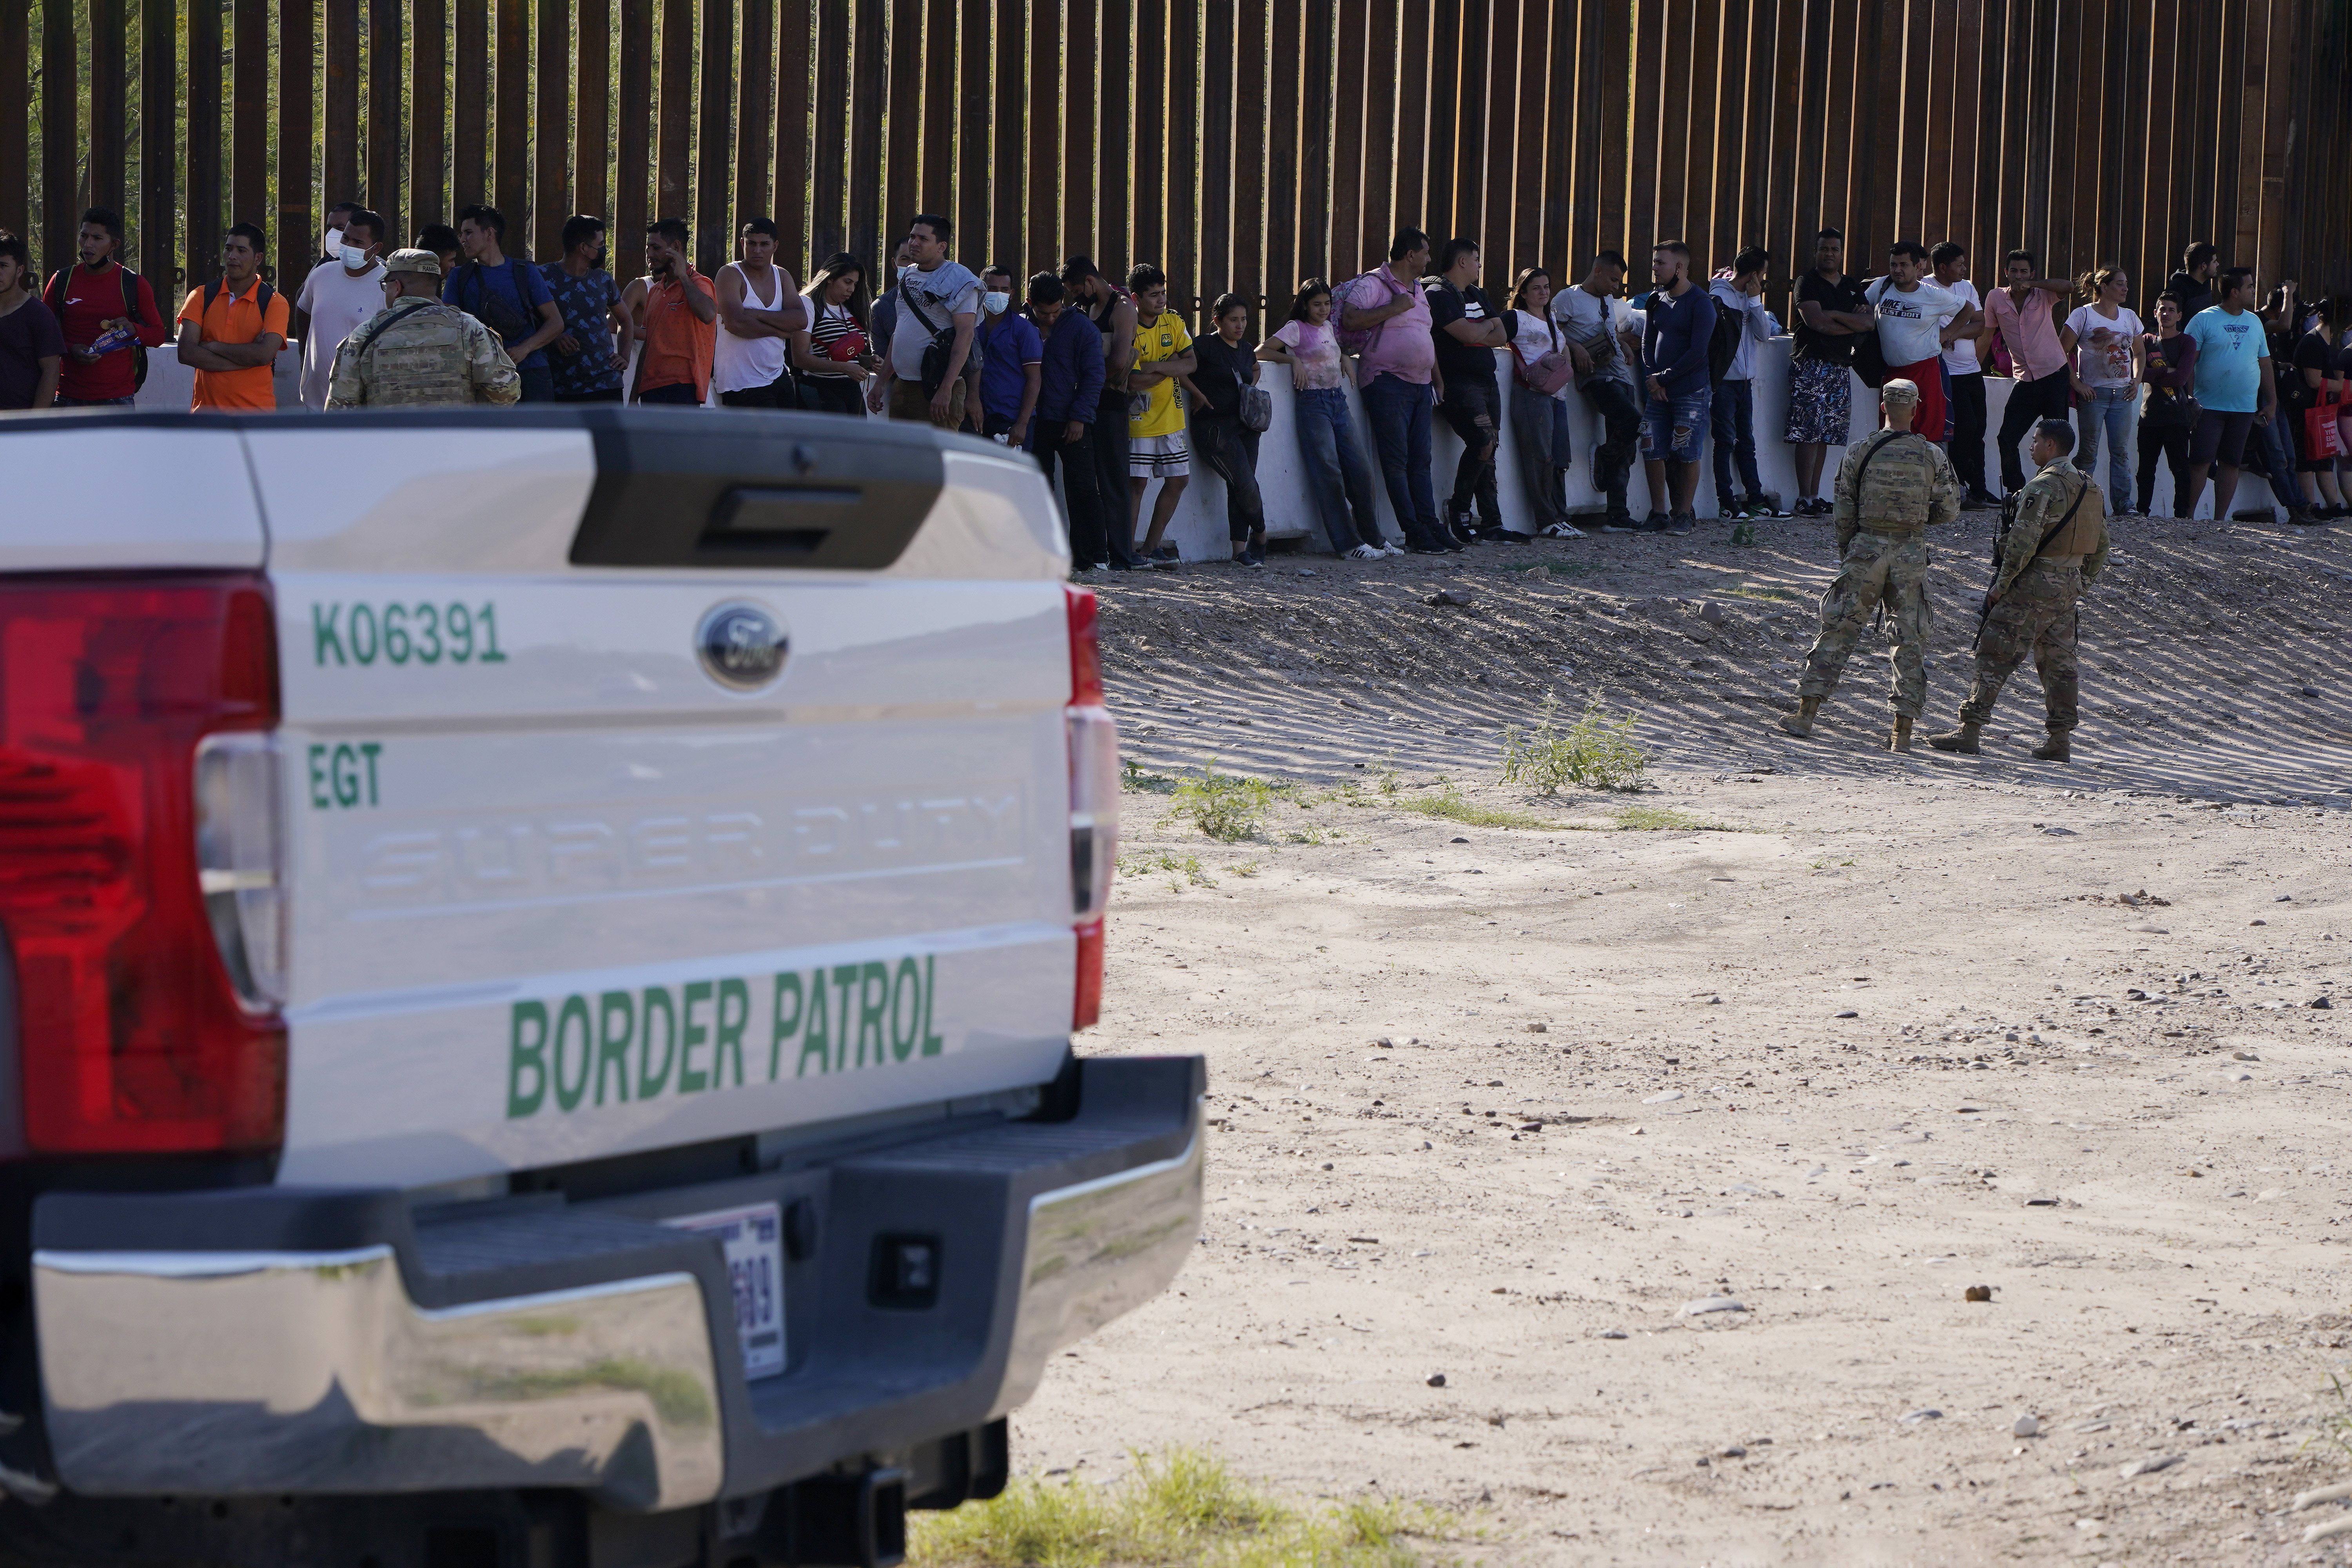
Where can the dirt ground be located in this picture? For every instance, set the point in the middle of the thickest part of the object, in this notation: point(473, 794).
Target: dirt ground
point(1496, 1106)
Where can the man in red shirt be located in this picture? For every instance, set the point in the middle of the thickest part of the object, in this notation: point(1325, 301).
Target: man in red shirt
point(104, 309)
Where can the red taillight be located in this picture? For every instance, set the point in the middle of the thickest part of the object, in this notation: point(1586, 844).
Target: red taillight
point(1086, 1010)
point(1086, 649)
point(130, 1035)
point(1094, 802)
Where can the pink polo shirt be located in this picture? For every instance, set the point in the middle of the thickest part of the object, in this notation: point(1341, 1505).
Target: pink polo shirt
point(2031, 336)
point(1401, 346)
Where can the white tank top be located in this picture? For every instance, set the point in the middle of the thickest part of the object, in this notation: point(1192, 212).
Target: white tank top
point(739, 365)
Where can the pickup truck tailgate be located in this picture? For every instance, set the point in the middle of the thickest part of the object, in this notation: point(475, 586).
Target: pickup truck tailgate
point(577, 866)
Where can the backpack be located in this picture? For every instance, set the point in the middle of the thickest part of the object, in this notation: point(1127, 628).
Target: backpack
point(1360, 342)
point(54, 297)
point(1723, 344)
point(261, 296)
point(509, 327)
point(941, 346)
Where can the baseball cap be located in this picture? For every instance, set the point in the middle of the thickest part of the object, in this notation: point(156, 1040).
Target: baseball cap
point(423, 261)
point(1899, 391)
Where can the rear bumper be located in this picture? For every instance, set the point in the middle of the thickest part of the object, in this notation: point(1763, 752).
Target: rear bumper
point(297, 1341)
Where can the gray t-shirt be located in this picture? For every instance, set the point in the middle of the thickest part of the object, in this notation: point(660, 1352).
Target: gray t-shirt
point(1594, 321)
point(940, 294)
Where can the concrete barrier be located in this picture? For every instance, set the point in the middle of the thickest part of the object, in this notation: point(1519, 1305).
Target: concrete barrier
point(1199, 526)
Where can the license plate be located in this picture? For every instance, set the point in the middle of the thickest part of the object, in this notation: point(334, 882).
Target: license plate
point(753, 1237)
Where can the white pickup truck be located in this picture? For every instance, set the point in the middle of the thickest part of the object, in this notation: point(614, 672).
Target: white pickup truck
point(540, 955)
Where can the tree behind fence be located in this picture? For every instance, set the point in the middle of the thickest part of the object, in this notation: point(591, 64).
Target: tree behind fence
point(1242, 144)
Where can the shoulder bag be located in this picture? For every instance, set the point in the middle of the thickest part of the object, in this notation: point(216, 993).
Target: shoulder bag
point(1550, 371)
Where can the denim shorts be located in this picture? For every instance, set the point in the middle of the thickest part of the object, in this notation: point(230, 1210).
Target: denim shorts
point(1674, 430)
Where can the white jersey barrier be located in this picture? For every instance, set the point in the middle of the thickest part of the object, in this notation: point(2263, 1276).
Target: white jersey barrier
point(1199, 527)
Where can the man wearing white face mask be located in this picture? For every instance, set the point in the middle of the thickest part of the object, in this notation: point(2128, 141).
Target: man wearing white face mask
point(1012, 363)
point(339, 297)
point(330, 246)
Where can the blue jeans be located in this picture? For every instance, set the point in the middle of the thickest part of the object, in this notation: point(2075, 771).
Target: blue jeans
point(1671, 430)
point(2111, 408)
point(1734, 414)
point(1400, 412)
point(2278, 457)
point(1335, 473)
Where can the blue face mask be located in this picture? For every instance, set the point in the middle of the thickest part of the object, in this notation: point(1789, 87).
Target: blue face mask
point(995, 302)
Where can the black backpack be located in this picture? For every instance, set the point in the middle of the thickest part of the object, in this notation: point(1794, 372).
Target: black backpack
point(1723, 344)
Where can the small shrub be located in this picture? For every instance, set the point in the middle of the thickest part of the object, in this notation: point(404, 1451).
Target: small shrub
point(1225, 806)
point(1185, 1508)
point(1135, 777)
point(1596, 751)
point(1185, 870)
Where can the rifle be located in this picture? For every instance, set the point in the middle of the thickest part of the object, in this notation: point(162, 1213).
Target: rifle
point(2009, 507)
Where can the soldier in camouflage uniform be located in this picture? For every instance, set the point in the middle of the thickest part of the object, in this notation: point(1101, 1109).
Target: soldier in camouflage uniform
point(2056, 544)
point(1892, 486)
point(417, 350)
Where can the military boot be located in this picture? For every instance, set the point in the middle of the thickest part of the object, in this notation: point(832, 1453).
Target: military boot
point(2055, 749)
point(1962, 739)
point(1800, 722)
point(1901, 739)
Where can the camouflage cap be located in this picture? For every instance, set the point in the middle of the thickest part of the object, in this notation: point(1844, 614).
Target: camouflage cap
point(1899, 392)
point(423, 261)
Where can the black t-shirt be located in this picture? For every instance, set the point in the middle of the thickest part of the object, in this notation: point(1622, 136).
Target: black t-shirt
point(1223, 372)
point(28, 334)
point(1843, 296)
point(1456, 359)
point(2311, 352)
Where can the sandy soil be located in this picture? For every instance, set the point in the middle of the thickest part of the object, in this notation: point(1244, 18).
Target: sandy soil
point(1497, 1104)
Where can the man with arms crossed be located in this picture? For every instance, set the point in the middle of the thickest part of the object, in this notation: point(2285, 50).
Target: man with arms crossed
point(1917, 321)
point(1831, 313)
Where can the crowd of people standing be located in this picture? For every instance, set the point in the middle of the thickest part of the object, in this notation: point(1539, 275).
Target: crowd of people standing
point(1107, 386)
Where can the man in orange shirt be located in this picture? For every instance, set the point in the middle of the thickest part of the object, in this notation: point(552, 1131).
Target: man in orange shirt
point(231, 331)
point(676, 316)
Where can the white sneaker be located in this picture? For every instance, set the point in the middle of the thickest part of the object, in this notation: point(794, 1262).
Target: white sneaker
point(1392, 549)
point(1563, 531)
point(1366, 552)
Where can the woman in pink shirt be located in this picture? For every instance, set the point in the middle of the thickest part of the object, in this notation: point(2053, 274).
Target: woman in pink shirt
point(1336, 476)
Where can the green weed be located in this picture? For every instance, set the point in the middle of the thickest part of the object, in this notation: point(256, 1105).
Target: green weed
point(2335, 1426)
point(1185, 870)
point(1665, 819)
point(1226, 807)
point(1596, 751)
point(1246, 868)
point(1135, 777)
point(1185, 1508)
point(1450, 806)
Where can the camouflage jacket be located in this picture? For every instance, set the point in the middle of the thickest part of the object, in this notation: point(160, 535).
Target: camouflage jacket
point(419, 351)
point(2044, 500)
point(1896, 480)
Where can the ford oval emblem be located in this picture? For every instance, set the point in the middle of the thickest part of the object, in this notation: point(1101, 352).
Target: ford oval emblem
point(742, 645)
